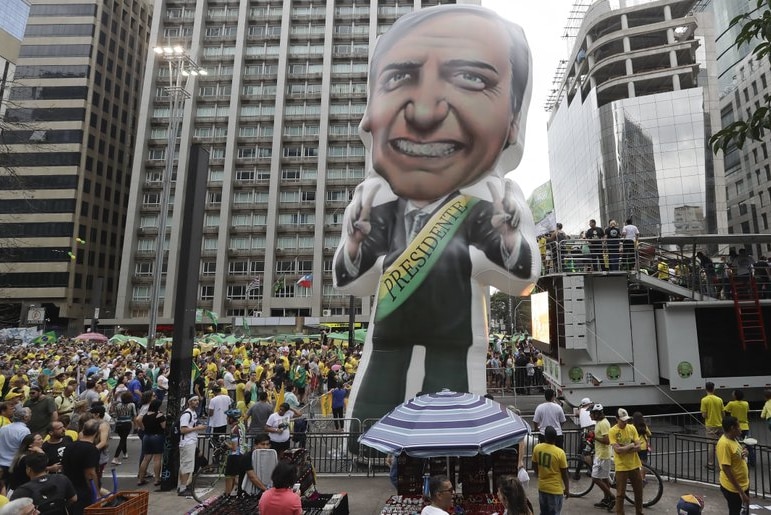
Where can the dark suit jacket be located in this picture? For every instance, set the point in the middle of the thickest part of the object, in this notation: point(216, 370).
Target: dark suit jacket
point(439, 311)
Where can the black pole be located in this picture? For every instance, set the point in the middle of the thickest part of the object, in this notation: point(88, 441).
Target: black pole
point(351, 320)
point(181, 363)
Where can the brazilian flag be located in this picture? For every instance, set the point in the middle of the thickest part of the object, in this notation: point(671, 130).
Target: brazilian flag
point(45, 338)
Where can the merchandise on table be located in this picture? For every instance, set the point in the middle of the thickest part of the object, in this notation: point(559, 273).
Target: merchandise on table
point(482, 504)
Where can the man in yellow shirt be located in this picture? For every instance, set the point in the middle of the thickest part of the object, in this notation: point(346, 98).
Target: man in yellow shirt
point(602, 456)
point(712, 412)
point(550, 464)
point(734, 474)
point(626, 442)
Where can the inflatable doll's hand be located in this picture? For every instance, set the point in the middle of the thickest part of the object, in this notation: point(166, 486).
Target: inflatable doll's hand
point(506, 215)
point(357, 225)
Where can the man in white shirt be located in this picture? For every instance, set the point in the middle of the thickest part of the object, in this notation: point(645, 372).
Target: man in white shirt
point(277, 428)
point(629, 235)
point(219, 404)
point(549, 413)
point(583, 417)
point(441, 492)
point(230, 381)
point(188, 442)
point(163, 385)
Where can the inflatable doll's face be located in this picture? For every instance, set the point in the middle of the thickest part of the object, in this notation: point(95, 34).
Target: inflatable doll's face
point(440, 106)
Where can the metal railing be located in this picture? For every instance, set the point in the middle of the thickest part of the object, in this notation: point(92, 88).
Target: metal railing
point(676, 451)
point(514, 381)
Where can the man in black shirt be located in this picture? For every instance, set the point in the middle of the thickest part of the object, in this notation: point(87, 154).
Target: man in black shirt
point(80, 463)
point(54, 447)
point(51, 494)
point(613, 242)
point(595, 235)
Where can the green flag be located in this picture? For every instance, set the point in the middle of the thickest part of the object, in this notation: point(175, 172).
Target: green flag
point(212, 316)
point(195, 373)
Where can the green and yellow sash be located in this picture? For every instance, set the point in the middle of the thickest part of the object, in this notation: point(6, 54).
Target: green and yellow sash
point(403, 276)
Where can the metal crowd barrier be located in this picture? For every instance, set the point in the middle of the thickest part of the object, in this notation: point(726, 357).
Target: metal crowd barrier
point(676, 451)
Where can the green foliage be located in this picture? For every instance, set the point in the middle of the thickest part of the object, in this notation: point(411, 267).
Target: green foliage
point(755, 25)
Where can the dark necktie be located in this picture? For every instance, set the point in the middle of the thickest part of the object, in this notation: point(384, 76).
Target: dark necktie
point(419, 219)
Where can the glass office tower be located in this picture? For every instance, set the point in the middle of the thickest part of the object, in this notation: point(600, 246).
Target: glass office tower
point(629, 129)
point(67, 149)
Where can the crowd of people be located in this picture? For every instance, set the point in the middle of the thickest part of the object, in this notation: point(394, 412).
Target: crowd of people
point(517, 367)
point(64, 401)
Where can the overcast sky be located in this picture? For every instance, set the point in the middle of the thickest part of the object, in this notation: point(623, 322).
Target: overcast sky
point(543, 23)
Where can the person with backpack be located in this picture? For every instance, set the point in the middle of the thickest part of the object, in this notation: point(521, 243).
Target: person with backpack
point(188, 428)
point(51, 493)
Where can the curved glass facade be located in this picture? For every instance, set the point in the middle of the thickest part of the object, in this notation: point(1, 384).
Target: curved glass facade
point(643, 157)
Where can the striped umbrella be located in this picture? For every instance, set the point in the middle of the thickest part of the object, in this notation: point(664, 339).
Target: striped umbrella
point(446, 424)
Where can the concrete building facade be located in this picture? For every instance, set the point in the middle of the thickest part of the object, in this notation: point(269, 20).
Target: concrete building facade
point(69, 141)
point(744, 82)
point(278, 110)
point(631, 119)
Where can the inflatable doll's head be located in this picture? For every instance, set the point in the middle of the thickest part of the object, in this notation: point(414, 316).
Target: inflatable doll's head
point(449, 88)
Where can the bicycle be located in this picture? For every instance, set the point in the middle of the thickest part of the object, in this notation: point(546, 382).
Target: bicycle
point(581, 481)
point(209, 474)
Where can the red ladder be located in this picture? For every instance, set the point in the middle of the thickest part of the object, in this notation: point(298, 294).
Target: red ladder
point(749, 316)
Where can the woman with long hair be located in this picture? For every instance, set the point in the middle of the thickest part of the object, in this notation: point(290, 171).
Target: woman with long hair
point(511, 493)
point(18, 469)
point(154, 423)
point(644, 432)
point(124, 412)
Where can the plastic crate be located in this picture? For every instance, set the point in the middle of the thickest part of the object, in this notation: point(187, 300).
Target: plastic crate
point(136, 504)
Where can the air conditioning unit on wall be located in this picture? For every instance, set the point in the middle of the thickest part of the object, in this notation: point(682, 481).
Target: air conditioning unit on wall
point(257, 314)
point(326, 312)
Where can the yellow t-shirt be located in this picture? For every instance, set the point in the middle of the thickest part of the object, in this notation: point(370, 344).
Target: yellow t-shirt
point(4, 421)
point(740, 410)
point(550, 460)
point(240, 388)
point(712, 410)
point(729, 452)
point(766, 412)
point(601, 450)
point(625, 436)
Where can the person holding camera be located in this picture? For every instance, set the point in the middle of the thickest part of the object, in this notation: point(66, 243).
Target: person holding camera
point(277, 428)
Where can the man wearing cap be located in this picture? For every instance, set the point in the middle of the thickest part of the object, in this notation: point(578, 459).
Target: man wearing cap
point(43, 409)
point(582, 417)
point(602, 457)
point(626, 442)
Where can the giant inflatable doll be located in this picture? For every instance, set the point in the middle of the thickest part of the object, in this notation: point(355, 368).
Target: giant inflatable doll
point(435, 222)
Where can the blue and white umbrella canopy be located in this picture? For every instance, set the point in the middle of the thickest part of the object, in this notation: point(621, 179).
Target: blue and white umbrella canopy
point(446, 424)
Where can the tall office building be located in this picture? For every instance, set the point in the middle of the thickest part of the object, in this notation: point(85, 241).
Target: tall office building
point(744, 81)
point(13, 18)
point(631, 117)
point(70, 136)
point(278, 111)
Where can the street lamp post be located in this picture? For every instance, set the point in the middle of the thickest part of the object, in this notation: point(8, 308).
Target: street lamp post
point(181, 66)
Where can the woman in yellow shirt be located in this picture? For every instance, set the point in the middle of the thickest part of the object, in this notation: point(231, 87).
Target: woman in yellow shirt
point(644, 432)
point(765, 414)
point(740, 409)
